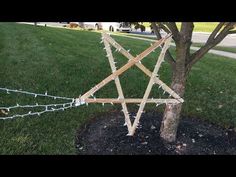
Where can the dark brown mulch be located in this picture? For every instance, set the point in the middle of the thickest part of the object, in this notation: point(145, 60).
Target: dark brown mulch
point(107, 135)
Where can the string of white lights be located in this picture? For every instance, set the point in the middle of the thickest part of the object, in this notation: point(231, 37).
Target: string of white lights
point(74, 102)
point(39, 112)
point(34, 106)
point(47, 107)
point(34, 94)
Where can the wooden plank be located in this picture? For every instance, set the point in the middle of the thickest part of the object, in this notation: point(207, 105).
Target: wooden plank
point(130, 100)
point(114, 76)
point(167, 89)
point(143, 68)
point(123, 69)
point(150, 85)
point(117, 82)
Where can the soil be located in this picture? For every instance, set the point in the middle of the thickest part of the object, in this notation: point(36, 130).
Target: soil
point(106, 135)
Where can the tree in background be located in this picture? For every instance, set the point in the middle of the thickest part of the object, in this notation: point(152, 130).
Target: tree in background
point(182, 64)
point(138, 25)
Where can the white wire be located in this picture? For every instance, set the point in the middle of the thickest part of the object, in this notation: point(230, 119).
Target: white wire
point(35, 113)
point(48, 107)
point(34, 106)
point(39, 112)
point(35, 94)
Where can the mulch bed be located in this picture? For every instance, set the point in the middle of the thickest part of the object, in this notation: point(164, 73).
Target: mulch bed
point(106, 135)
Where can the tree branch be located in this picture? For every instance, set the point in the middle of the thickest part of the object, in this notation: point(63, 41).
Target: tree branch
point(164, 27)
point(209, 44)
point(168, 57)
point(215, 31)
point(174, 30)
point(186, 32)
point(232, 32)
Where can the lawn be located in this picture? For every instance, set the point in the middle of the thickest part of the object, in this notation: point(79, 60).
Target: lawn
point(69, 62)
point(203, 26)
point(226, 49)
point(198, 26)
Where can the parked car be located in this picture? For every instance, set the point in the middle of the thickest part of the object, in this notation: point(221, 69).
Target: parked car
point(109, 26)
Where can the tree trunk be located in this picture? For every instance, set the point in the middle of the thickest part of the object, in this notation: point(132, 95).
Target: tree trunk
point(183, 64)
point(171, 116)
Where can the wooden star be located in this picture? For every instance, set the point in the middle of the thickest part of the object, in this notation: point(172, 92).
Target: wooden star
point(154, 79)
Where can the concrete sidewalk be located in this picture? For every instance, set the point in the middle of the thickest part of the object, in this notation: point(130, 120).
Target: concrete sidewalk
point(48, 24)
point(212, 51)
point(197, 37)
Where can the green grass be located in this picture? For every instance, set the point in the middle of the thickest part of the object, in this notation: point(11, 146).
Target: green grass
point(134, 35)
point(226, 49)
point(198, 26)
point(202, 26)
point(69, 62)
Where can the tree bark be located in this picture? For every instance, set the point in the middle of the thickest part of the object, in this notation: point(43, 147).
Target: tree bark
point(172, 112)
point(182, 66)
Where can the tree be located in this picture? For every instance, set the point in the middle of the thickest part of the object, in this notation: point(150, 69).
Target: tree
point(138, 25)
point(182, 65)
